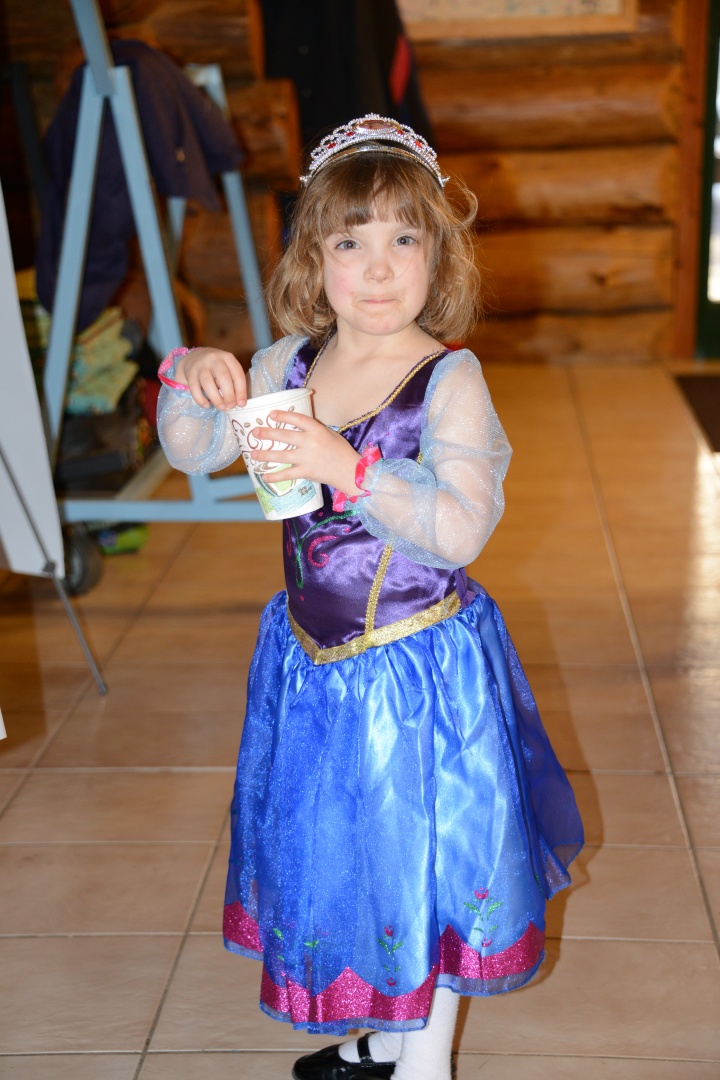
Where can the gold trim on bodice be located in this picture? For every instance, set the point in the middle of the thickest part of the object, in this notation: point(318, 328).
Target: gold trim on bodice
point(391, 396)
point(375, 588)
point(382, 635)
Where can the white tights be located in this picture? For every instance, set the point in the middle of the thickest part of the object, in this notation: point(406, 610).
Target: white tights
point(419, 1055)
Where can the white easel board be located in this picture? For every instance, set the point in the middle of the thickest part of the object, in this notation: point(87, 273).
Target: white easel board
point(22, 438)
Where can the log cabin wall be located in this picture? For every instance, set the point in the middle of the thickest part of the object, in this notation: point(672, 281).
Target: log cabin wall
point(573, 148)
point(573, 145)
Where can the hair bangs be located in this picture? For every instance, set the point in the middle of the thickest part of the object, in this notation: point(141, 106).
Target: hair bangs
point(366, 187)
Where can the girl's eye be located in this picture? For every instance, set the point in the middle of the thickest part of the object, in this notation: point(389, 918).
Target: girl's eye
point(346, 245)
point(406, 240)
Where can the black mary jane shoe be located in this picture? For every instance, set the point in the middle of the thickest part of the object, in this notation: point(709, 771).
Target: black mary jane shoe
point(327, 1064)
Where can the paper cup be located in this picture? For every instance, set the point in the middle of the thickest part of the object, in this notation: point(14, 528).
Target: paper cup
point(279, 498)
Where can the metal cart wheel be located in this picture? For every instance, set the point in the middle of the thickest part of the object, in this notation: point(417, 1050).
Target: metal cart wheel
point(83, 560)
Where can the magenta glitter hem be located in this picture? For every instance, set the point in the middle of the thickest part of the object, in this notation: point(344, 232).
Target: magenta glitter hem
point(349, 997)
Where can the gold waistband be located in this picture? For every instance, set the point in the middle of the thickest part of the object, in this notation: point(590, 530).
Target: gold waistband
point(382, 635)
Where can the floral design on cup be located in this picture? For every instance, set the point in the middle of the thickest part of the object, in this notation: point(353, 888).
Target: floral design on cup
point(248, 442)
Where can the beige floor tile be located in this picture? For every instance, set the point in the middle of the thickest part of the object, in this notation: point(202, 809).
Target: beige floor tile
point(677, 630)
point(9, 783)
point(27, 733)
point(127, 582)
point(561, 523)
point(33, 687)
point(198, 639)
point(81, 993)
point(514, 1067)
point(168, 537)
point(69, 1067)
point(569, 571)
point(605, 998)
point(48, 637)
point(262, 538)
point(627, 809)
point(709, 866)
point(636, 892)
point(700, 798)
point(228, 1065)
point(597, 717)
point(114, 735)
point(163, 686)
point(565, 632)
point(117, 806)
point(243, 573)
point(229, 987)
point(688, 703)
point(192, 595)
point(99, 889)
point(208, 916)
point(667, 571)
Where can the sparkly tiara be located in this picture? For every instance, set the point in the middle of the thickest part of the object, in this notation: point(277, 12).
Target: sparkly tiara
point(373, 132)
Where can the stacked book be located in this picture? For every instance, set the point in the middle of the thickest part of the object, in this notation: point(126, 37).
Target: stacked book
point(100, 371)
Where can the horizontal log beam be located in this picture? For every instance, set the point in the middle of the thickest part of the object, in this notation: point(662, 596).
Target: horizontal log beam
point(265, 115)
point(635, 337)
point(208, 262)
point(624, 184)
point(553, 107)
point(577, 269)
point(656, 38)
point(121, 12)
point(225, 32)
point(228, 32)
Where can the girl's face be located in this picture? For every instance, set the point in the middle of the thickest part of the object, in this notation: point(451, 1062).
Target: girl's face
point(376, 276)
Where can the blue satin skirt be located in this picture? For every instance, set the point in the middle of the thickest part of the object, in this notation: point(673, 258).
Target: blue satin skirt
point(399, 822)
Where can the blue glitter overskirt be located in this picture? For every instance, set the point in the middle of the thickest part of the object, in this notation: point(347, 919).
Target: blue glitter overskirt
point(399, 821)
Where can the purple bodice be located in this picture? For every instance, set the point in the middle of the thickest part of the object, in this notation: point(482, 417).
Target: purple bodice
point(341, 581)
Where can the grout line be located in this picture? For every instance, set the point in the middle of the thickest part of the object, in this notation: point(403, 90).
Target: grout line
point(106, 843)
point(635, 639)
point(185, 936)
point(106, 770)
point(74, 935)
point(229, 770)
point(217, 1051)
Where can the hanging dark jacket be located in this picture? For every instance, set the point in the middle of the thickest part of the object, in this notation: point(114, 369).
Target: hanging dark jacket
point(187, 142)
point(346, 58)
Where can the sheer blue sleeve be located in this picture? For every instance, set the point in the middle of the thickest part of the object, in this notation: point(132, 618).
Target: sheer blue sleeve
point(197, 440)
point(441, 510)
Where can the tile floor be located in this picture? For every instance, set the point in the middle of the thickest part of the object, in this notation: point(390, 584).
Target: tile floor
point(113, 813)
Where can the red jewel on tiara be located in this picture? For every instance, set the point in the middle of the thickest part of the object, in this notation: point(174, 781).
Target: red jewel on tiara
point(372, 130)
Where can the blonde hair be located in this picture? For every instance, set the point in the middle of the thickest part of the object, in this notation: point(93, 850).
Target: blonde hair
point(368, 186)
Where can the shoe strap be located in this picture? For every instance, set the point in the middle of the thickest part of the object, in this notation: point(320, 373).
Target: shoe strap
point(363, 1045)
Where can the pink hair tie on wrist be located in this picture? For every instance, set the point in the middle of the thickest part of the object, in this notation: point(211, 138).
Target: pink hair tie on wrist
point(168, 363)
point(369, 456)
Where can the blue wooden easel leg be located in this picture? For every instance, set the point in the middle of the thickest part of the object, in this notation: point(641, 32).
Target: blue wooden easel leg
point(142, 198)
point(72, 258)
point(245, 248)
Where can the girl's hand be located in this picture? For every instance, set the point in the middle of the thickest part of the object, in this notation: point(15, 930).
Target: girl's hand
point(316, 452)
point(213, 377)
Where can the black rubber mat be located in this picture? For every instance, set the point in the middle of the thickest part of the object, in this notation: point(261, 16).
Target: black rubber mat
point(703, 394)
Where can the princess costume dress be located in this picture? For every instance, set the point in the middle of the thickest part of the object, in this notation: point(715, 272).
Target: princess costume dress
point(400, 818)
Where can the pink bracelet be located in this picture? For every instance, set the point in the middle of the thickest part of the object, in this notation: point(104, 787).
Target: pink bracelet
point(369, 456)
point(168, 363)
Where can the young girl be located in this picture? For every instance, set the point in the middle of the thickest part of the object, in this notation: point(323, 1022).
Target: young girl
point(399, 818)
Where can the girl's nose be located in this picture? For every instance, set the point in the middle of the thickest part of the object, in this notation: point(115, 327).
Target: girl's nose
point(378, 269)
